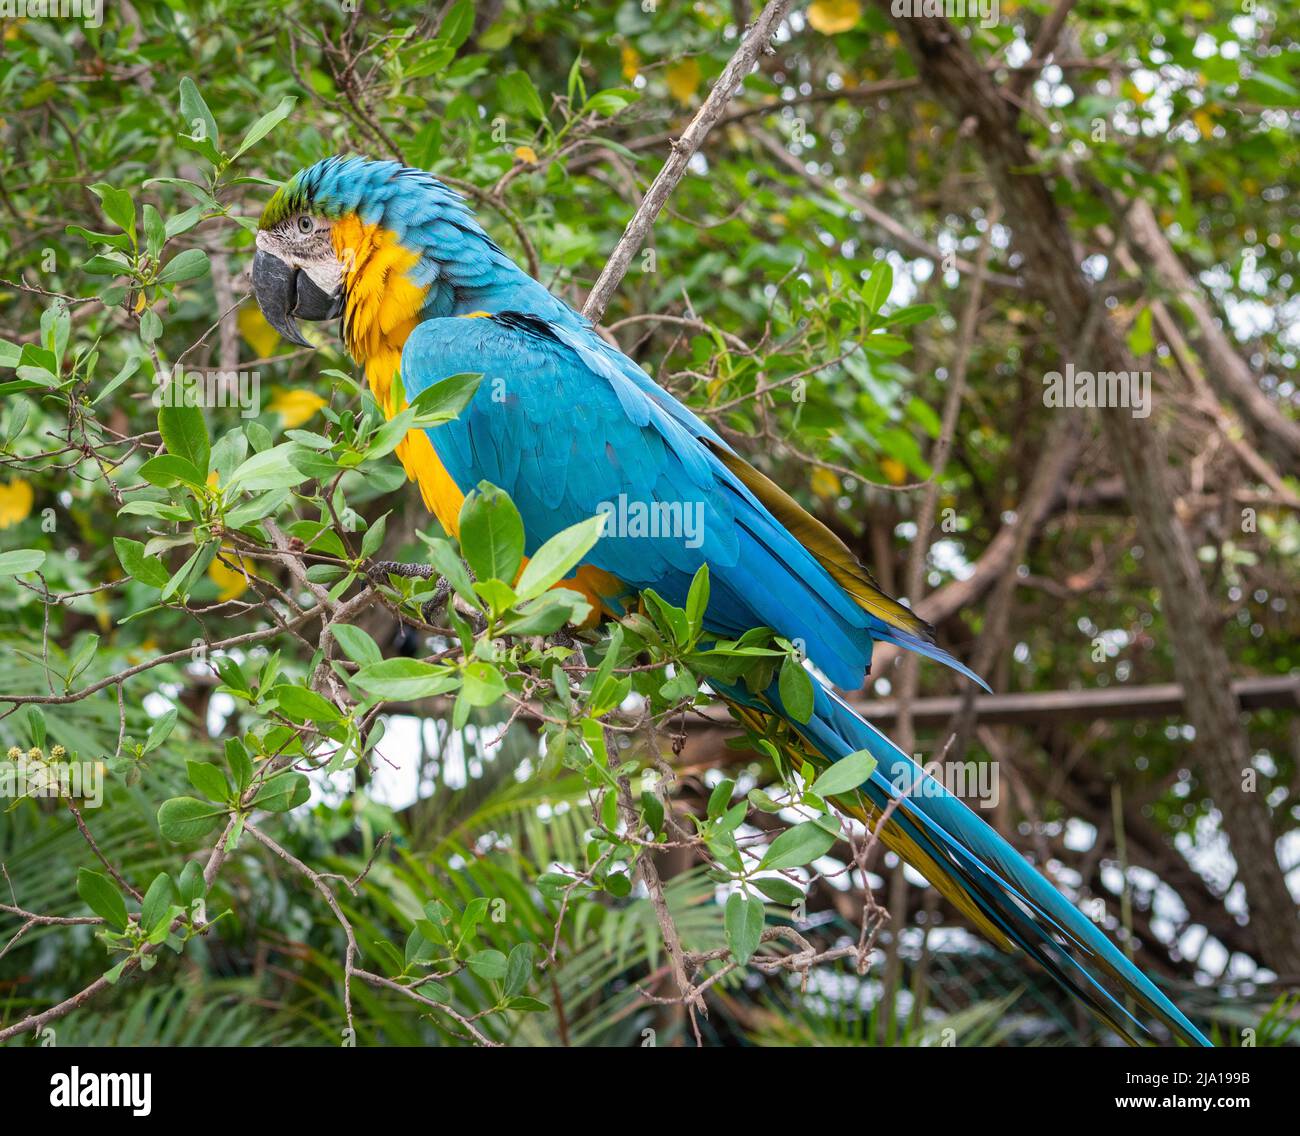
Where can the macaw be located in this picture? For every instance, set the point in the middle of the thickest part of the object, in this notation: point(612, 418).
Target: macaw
point(564, 422)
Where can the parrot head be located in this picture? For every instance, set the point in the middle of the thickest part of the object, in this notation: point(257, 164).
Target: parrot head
point(378, 244)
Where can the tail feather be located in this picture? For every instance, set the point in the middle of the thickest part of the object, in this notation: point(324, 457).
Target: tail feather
point(973, 866)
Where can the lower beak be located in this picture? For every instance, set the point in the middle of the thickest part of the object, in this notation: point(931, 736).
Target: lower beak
point(284, 292)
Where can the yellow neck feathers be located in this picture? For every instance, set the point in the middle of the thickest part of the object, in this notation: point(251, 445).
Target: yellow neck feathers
point(383, 307)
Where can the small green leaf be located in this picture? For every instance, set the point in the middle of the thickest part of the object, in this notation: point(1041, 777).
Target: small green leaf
point(167, 471)
point(303, 705)
point(779, 890)
point(147, 569)
point(118, 207)
point(492, 965)
point(519, 968)
point(157, 902)
point(283, 792)
point(483, 684)
point(264, 125)
point(491, 534)
point(182, 819)
point(187, 265)
point(102, 897)
point(847, 774)
point(797, 846)
point(198, 119)
point(744, 926)
point(401, 680)
point(20, 560)
point(356, 644)
point(720, 797)
point(185, 434)
point(558, 556)
point(796, 689)
point(446, 399)
point(519, 94)
point(208, 780)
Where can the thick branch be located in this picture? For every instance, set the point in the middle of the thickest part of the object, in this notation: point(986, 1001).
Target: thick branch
point(754, 40)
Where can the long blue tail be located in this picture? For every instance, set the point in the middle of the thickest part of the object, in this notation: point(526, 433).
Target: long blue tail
point(976, 868)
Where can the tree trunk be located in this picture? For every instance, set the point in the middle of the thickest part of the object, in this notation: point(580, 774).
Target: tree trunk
point(1053, 277)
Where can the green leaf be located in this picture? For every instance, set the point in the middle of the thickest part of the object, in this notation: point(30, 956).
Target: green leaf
point(797, 846)
point(779, 890)
point(697, 600)
point(160, 731)
point(182, 819)
point(208, 780)
point(356, 644)
point(186, 435)
point(519, 94)
point(283, 792)
point(796, 689)
point(519, 968)
point(402, 680)
point(102, 897)
point(303, 705)
point(558, 556)
point(744, 925)
point(268, 469)
point(492, 965)
point(167, 471)
point(118, 207)
point(720, 797)
point(491, 534)
point(847, 774)
point(483, 684)
point(157, 902)
point(191, 884)
point(20, 560)
point(878, 286)
point(198, 119)
point(264, 125)
point(457, 24)
point(445, 400)
point(187, 265)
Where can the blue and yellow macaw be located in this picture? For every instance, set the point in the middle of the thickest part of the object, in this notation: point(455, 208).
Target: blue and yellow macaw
point(564, 422)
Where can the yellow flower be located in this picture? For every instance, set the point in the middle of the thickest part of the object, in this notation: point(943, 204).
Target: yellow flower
point(296, 406)
point(257, 333)
point(683, 80)
point(1204, 123)
point(231, 582)
point(895, 471)
point(830, 17)
point(631, 61)
point(15, 502)
point(825, 483)
point(526, 154)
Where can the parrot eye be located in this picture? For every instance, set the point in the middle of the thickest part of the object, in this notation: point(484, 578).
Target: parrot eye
point(305, 224)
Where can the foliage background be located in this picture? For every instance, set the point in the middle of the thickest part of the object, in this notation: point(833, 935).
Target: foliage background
point(552, 117)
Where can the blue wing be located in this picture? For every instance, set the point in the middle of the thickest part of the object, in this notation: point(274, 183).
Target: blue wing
point(562, 425)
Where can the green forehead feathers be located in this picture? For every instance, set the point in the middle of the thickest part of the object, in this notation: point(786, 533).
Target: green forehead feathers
point(289, 199)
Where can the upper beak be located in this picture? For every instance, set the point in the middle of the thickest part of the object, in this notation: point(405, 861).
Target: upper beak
point(284, 292)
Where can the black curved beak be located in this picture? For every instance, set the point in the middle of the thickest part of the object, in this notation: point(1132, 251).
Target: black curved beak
point(285, 293)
